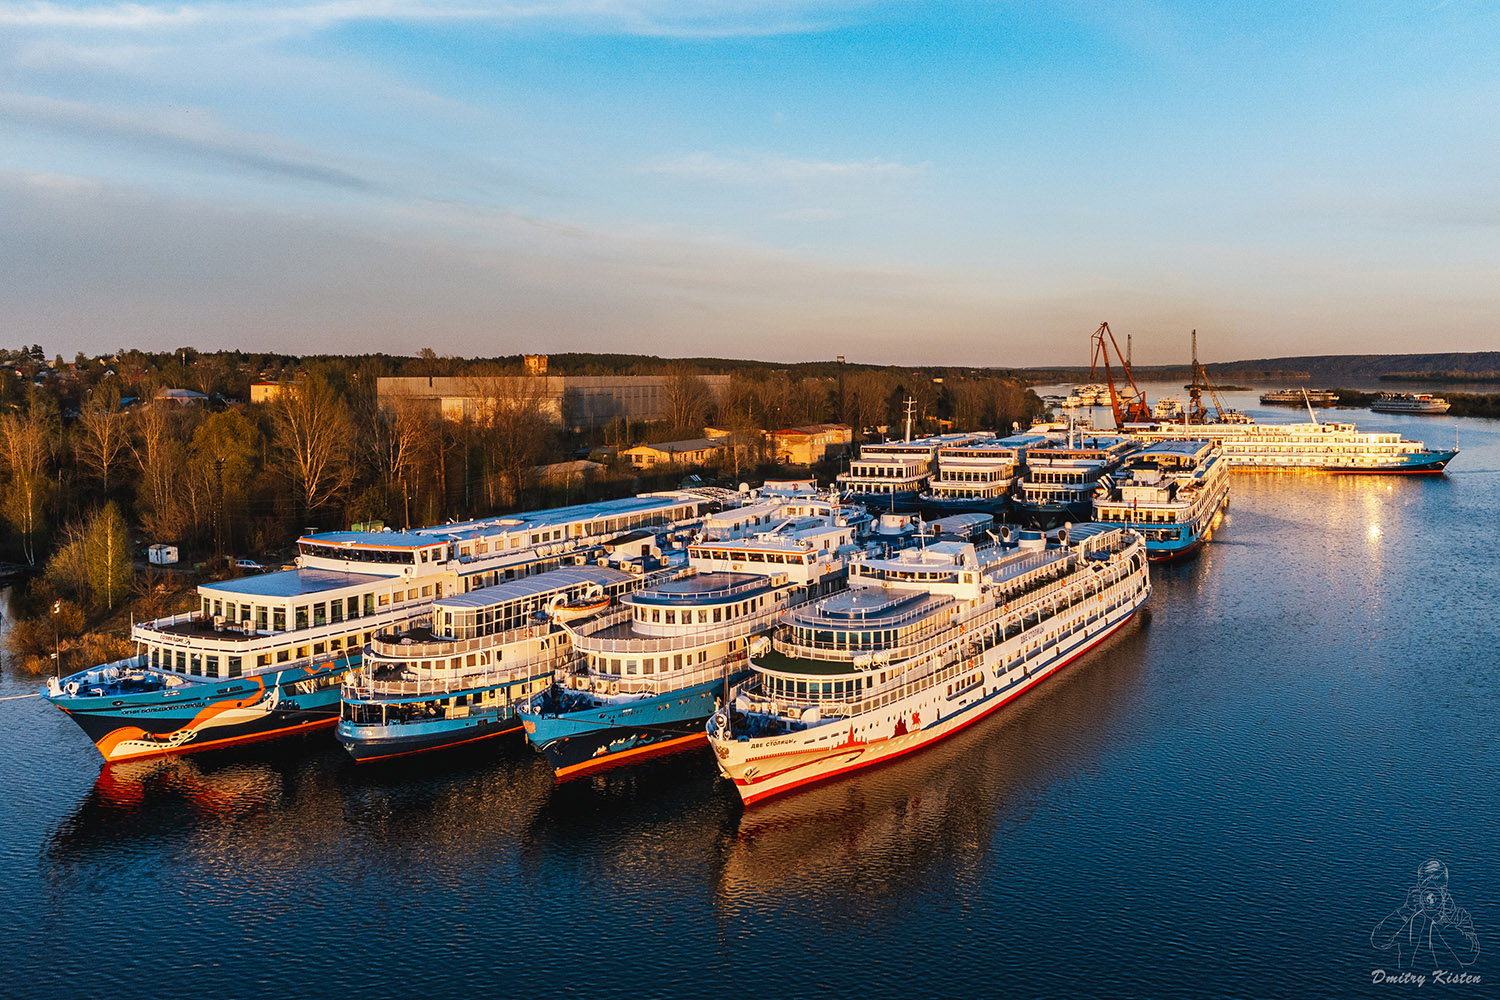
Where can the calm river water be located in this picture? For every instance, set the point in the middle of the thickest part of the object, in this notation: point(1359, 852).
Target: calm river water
point(1223, 801)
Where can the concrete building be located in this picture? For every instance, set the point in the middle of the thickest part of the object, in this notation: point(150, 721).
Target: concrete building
point(810, 443)
point(694, 451)
point(573, 401)
point(266, 392)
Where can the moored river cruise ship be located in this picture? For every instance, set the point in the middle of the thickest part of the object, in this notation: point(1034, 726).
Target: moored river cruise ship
point(650, 674)
point(459, 676)
point(265, 655)
point(1173, 493)
point(1307, 447)
point(924, 642)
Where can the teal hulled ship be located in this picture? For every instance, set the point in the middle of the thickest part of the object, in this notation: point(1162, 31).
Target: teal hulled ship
point(460, 677)
point(265, 655)
point(650, 674)
point(1172, 493)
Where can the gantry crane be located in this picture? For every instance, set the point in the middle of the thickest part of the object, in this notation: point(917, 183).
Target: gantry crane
point(1129, 409)
point(1196, 413)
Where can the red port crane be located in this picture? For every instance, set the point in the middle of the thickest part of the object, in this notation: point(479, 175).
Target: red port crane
point(1129, 409)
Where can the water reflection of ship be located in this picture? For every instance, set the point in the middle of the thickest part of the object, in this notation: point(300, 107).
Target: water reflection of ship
point(299, 805)
point(892, 831)
point(664, 820)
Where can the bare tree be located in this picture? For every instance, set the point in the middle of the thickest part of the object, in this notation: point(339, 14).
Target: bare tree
point(400, 436)
point(102, 436)
point(512, 416)
point(160, 452)
point(864, 400)
point(25, 450)
point(314, 433)
point(688, 400)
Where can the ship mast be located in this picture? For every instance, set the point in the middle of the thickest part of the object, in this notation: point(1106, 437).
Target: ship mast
point(911, 406)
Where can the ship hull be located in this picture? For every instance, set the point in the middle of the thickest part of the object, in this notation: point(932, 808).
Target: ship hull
point(367, 743)
point(1045, 517)
point(901, 501)
point(606, 735)
point(1429, 464)
point(942, 507)
point(209, 714)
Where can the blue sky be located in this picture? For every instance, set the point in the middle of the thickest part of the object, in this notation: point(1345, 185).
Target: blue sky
point(950, 182)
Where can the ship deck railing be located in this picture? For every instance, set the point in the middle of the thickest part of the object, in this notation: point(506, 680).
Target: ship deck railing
point(656, 598)
point(593, 642)
point(947, 660)
point(661, 682)
point(397, 650)
point(1023, 588)
point(362, 684)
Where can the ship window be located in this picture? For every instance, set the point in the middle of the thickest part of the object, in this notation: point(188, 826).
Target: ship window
point(181, 662)
point(671, 617)
point(718, 614)
point(336, 611)
point(649, 666)
point(155, 657)
point(211, 666)
point(302, 616)
point(655, 615)
point(320, 614)
point(234, 666)
point(677, 661)
point(319, 648)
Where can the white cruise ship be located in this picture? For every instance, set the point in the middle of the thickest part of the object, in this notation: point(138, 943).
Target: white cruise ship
point(265, 655)
point(1173, 493)
point(978, 476)
point(1306, 447)
point(1410, 402)
point(891, 475)
point(649, 674)
point(924, 642)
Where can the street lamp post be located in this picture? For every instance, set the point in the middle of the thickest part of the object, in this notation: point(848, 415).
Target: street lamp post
point(56, 638)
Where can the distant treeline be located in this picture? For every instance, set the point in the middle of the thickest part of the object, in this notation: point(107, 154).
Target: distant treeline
point(1489, 376)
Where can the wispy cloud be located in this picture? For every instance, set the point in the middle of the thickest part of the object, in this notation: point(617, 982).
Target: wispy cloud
point(668, 18)
point(762, 169)
point(193, 134)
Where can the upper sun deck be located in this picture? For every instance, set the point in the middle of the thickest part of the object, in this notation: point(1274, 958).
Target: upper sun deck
point(553, 582)
point(1012, 448)
point(1090, 450)
point(390, 552)
point(292, 583)
point(869, 608)
point(703, 589)
point(1174, 452)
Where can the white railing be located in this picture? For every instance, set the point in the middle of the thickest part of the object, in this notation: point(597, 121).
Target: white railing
point(361, 684)
point(586, 642)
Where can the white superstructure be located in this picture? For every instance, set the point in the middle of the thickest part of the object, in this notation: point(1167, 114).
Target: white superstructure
point(924, 642)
